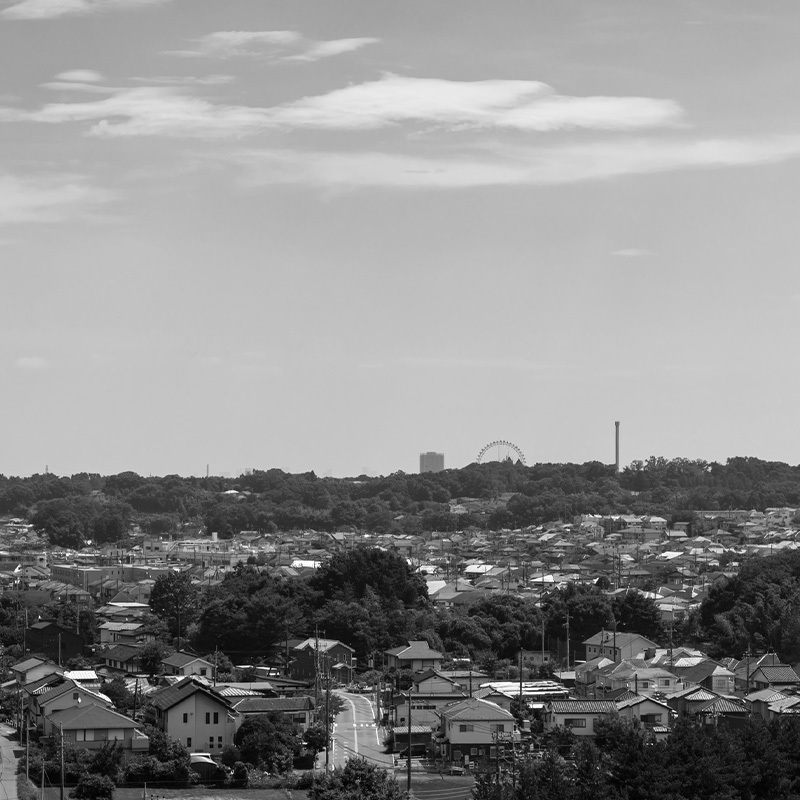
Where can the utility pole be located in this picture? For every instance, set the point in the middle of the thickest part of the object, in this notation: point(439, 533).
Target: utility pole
point(408, 764)
point(327, 711)
point(567, 640)
point(61, 732)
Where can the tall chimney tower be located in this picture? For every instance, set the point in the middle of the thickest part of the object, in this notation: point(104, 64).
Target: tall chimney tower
point(616, 425)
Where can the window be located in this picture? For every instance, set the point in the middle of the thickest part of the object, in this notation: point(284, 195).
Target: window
point(203, 672)
point(464, 728)
point(644, 684)
point(210, 742)
point(185, 718)
point(208, 718)
point(188, 741)
point(574, 723)
point(216, 717)
point(499, 727)
point(74, 695)
point(219, 742)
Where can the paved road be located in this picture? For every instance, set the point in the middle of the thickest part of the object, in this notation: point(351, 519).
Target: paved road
point(8, 764)
point(356, 734)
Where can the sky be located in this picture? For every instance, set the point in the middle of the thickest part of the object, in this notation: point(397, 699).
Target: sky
point(329, 236)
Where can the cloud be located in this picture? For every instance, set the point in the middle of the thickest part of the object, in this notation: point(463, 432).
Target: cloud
point(394, 100)
point(239, 44)
point(334, 47)
point(231, 44)
point(512, 104)
point(49, 198)
point(535, 165)
point(80, 76)
point(32, 362)
point(632, 252)
point(49, 9)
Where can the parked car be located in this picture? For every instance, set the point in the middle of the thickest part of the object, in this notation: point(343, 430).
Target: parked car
point(417, 751)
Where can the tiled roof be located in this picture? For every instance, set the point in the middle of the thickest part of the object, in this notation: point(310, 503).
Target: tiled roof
point(414, 650)
point(181, 659)
point(91, 717)
point(779, 673)
point(169, 696)
point(121, 653)
point(262, 705)
point(582, 706)
point(722, 705)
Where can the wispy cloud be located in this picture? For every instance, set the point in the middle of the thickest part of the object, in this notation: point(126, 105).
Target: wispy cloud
point(32, 362)
point(48, 198)
point(271, 44)
point(334, 47)
point(632, 252)
point(535, 165)
point(49, 9)
point(80, 76)
point(434, 104)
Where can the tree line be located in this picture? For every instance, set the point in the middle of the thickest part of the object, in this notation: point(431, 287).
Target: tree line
point(71, 510)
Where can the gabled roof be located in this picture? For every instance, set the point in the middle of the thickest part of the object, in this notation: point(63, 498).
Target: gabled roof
point(121, 652)
point(414, 650)
point(766, 696)
point(181, 659)
point(780, 673)
point(637, 700)
point(29, 663)
point(473, 708)
point(168, 696)
point(618, 640)
point(322, 644)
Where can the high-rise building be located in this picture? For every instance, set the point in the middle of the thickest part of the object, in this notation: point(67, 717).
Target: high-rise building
point(431, 462)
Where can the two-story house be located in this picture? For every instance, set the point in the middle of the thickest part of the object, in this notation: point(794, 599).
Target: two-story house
point(92, 727)
point(416, 656)
point(616, 646)
point(326, 656)
point(429, 693)
point(185, 664)
point(471, 730)
point(196, 715)
point(579, 716)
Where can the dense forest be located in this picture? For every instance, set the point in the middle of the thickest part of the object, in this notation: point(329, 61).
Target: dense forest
point(72, 510)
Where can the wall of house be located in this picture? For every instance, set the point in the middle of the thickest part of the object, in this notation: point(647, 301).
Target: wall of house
point(186, 722)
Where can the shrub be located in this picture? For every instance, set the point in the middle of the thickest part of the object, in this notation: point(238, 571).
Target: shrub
point(94, 787)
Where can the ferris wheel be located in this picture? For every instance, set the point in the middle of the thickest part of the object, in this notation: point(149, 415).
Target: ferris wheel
point(501, 450)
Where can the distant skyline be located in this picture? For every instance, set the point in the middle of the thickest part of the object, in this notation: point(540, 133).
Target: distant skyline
point(332, 236)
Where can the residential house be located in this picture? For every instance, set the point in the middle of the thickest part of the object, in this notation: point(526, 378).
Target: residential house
point(34, 668)
point(130, 633)
point(54, 641)
point(704, 671)
point(184, 664)
point(69, 694)
point(471, 730)
point(328, 656)
point(652, 713)
point(92, 727)
point(122, 658)
point(616, 646)
point(777, 676)
point(299, 710)
point(416, 656)
point(760, 702)
point(430, 692)
point(688, 702)
point(195, 714)
point(579, 716)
